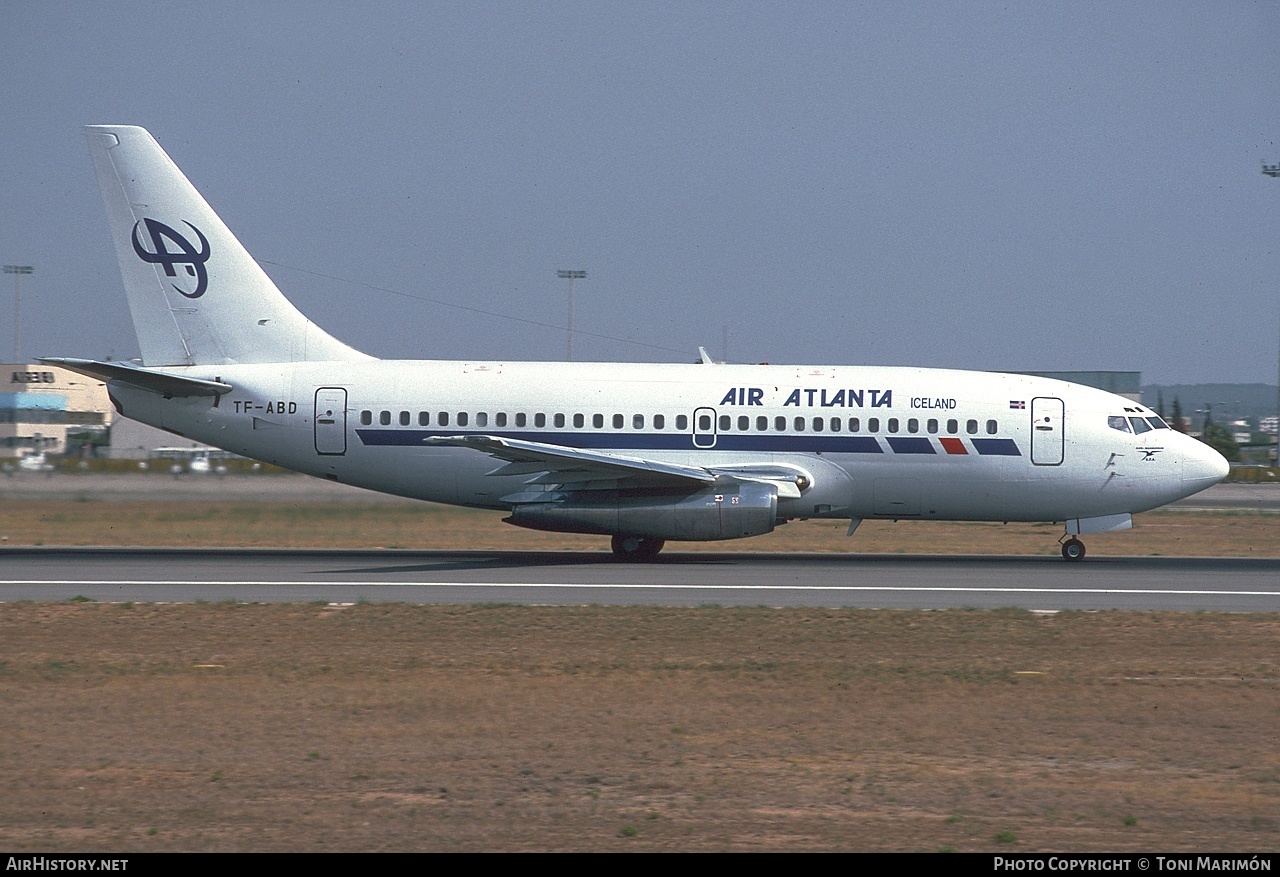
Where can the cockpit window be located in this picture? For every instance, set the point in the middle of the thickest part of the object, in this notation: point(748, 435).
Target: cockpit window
point(1117, 422)
point(1140, 424)
point(1157, 423)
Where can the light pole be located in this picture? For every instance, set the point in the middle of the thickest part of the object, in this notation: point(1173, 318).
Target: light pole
point(571, 276)
point(17, 271)
point(1273, 170)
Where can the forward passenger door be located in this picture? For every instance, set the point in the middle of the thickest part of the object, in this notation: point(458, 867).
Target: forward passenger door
point(1047, 439)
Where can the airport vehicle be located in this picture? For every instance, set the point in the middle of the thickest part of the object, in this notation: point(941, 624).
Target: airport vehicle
point(35, 461)
point(643, 453)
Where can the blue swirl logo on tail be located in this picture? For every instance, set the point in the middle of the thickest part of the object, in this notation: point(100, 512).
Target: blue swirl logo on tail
point(160, 254)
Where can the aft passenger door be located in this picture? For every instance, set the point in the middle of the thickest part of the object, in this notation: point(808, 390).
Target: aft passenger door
point(331, 421)
point(1047, 439)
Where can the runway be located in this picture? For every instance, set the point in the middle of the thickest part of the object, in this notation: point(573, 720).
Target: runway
point(678, 579)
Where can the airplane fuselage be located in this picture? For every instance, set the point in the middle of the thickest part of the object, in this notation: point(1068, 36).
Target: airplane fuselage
point(872, 442)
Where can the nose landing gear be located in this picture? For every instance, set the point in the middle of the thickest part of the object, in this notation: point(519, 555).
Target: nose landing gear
point(1072, 549)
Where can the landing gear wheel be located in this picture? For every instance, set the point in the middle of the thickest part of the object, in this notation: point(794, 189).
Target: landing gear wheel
point(1073, 550)
point(636, 549)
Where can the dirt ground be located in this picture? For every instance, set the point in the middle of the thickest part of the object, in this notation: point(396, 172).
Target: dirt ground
point(303, 524)
point(391, 727)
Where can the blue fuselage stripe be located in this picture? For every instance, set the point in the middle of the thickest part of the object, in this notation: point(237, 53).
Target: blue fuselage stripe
point(641, 441)
point(996, 447)
point(910, 445)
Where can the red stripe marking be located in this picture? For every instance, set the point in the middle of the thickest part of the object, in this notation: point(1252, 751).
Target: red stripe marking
point(953, 446)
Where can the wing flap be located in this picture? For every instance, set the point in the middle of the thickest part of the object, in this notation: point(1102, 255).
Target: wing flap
point(563, 464)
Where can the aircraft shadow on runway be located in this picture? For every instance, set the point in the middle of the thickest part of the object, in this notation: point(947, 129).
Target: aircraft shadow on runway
point(443, 561)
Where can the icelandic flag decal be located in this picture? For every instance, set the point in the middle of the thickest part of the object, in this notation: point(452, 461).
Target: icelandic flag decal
point(1017, 403)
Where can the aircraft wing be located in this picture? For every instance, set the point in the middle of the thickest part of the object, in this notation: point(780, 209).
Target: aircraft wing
point(578, 469)
point(575, 468)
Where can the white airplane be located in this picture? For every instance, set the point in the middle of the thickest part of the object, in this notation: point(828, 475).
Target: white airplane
point(642, 453)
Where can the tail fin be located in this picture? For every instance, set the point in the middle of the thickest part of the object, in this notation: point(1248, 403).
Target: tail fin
point(196, 295)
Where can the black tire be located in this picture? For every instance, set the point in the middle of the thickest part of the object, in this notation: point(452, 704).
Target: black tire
point(636, 549)
point(1073, 550)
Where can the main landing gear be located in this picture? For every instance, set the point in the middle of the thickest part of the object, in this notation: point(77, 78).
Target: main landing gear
point(1073, 549)
point(636, 549)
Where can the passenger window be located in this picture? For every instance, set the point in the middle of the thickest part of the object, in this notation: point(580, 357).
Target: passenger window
point(659, 422)
point(366, 418)
point(744, 423)
point(637, 421)
point(597, 421)
point(780, 424)
point(579, 421)
point(385, 418)
point(799, 424)
point(559, 421)
point(855, 425)
point(424, 418)
point(500, 419)
point(933, 426)
point(522, 419)
point(404, 418)
point(725, 422)
point(817, 424)
point(617, 421)
point(913, 425)
point(762, 423)
point(682, 422)
point(540, 420)
point(835, 424)
point(443, 418)
point(893, 424)
point(873, 424)
point(482, 418)
point(992, 429)
point(462, 418)
point(704, 423)
point(953, 427)
point(971, 426)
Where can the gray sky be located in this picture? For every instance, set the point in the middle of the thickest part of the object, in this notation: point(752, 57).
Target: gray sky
point(971, 185)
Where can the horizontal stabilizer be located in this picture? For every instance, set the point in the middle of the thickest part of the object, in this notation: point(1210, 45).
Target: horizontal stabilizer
point(166, 385)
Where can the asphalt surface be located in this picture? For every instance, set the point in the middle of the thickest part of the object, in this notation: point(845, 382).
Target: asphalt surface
point(578, 578)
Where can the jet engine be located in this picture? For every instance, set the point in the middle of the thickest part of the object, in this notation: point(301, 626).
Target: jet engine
point(729, 511)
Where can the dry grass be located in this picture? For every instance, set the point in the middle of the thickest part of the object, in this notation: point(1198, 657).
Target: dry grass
point(271, 727)
point(425, 526)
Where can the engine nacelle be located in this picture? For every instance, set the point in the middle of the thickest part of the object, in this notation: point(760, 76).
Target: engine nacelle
point(728, 512)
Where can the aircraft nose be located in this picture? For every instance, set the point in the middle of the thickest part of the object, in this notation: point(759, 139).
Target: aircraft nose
point(1203, 467)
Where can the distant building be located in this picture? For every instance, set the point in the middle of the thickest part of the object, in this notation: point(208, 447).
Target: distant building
point(1127, 384)
point(40, 404)
point(131, 440)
